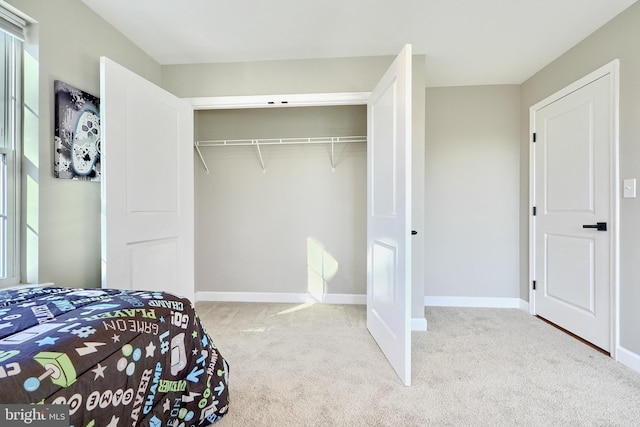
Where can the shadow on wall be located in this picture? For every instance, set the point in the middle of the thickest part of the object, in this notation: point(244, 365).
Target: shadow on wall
point(321, 268)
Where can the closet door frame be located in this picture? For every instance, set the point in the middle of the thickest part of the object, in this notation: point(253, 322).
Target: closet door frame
point(279, 101)
point(297, 100)
point(398, 352)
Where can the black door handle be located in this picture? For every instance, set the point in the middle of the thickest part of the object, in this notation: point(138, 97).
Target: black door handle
point(414, 232)
point(600, 226)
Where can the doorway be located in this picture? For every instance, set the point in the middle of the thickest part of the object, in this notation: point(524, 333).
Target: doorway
point(286, 219)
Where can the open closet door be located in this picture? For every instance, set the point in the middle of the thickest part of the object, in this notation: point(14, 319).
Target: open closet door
point(389, 215)
point(147, 185)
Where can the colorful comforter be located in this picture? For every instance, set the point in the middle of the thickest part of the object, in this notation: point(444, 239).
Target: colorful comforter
point(114, 357)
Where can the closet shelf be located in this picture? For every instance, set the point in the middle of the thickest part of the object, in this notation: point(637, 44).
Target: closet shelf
point(276, 141)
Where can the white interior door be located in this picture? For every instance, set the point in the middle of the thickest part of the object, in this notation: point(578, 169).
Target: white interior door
point(389, 215)
point(573, 180)
point(147, 185)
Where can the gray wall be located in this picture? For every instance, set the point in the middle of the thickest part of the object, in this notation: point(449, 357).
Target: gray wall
point(275, 77)
point(472, 191)
point(617, 39)
point(64, 215)
point(259, 232)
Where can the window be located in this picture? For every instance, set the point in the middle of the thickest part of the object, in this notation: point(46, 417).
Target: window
point(11, 30)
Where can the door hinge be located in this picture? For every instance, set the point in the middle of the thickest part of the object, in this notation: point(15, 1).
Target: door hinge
point(534, 211)
point(534, 137)
point(534, 285)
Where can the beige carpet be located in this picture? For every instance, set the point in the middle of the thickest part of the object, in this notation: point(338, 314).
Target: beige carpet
point(316, 365)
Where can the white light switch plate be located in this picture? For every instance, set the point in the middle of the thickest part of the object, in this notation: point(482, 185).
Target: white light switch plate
point(629, 188)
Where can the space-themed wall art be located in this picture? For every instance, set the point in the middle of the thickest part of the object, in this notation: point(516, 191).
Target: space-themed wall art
point(77, 134)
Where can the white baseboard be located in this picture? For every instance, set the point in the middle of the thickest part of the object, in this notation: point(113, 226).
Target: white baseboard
point(280, 297)
point(484, 302)
point(418, 324)
point(628, 358)
point(357, 299)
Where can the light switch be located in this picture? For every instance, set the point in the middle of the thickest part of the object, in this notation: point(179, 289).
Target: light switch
point(629, 188)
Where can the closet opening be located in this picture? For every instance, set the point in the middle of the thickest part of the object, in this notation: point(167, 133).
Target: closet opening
point(287, 219)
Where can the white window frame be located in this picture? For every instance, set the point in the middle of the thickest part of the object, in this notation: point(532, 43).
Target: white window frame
point(10, 147)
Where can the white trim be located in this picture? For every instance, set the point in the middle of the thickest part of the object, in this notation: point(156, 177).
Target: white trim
point(628, 358)
point(356, 299)
point(486, 302)
point(13, 189)
point(278, 100)
point(615, 210)
point(613, 69)
point(418, 324)
point(280, 297)
point(532, 219)
point(20, 14)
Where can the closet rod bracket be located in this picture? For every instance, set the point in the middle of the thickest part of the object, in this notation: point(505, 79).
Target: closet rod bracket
point(333, 160)
point(197, 147)
point(257, 144)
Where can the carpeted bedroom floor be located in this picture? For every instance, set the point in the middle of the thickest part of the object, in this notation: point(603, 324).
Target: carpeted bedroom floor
point(317, 365)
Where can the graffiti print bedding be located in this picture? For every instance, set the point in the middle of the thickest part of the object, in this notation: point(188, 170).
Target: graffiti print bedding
point(113, 357)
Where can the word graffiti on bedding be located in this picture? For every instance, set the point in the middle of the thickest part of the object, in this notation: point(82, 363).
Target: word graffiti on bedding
point(114, 357)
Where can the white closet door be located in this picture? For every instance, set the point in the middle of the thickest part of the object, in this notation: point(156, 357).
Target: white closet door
point(389, 215)
point(147, 185)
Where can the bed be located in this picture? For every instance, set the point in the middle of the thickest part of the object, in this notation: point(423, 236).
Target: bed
point(114, 357)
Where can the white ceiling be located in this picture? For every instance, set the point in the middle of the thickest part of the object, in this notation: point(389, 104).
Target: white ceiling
point(466, 42)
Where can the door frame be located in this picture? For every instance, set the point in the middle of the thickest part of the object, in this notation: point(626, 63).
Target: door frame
point(278, 100)
point(612, 69)
point(308, 100)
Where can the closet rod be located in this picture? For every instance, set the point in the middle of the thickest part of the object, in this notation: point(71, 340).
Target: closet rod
point(276, 141)
point(280, 141)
